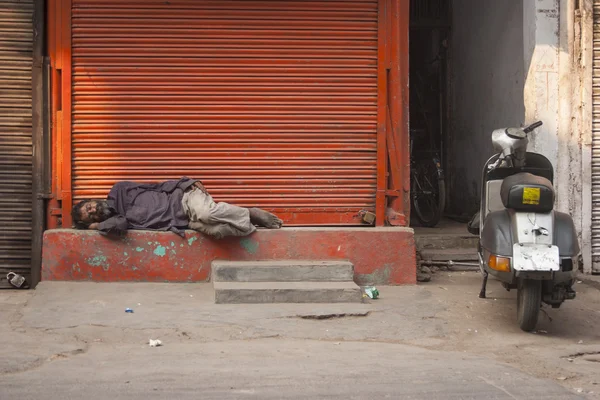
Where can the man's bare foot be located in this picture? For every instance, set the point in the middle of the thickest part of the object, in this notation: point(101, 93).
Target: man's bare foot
point(265, 219)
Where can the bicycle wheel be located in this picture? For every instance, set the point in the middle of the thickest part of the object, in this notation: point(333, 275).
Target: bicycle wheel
point(428, 192)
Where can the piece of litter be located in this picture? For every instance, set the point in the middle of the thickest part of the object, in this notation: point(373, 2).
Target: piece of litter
point(475, 330)
point(191, 295)
point(579, 281)
point(579, 390)
point(371, 292)
point(542, 331)
point(580, 342)
point(139, 304)
point(562, 378)
point(337, 343)
point(154, 343)
point(569, 359)
point(129, 310)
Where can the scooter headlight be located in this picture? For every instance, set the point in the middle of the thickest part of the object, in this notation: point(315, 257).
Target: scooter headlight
point(497, 263)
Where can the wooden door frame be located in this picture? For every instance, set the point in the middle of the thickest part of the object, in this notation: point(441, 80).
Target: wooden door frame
point(59, 50)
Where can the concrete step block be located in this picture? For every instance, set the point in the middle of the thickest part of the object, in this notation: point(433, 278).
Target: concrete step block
point(448, 241)
point(286, 292)
point(460, 254)
point(282, 271)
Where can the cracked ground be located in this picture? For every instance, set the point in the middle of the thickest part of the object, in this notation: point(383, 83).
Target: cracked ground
point(432, 341)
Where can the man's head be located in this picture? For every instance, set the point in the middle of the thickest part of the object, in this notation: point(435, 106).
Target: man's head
point(87, 212)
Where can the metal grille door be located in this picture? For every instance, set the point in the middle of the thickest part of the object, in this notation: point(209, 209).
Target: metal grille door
point(270, 103)
point(16, 55)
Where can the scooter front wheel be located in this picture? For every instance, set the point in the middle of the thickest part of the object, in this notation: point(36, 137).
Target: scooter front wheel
point(529, 300)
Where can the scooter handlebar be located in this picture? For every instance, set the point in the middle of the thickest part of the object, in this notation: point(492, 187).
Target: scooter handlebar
point(533, 126)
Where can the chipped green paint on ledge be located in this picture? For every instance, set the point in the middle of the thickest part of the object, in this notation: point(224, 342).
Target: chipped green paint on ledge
point(250, 245)
point(160, 251)
point(97, 261)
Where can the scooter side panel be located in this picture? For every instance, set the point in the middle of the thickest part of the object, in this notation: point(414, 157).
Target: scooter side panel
point(565, 235)
point(496, 235)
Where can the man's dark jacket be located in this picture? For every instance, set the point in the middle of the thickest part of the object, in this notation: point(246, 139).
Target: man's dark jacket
point(147, 206)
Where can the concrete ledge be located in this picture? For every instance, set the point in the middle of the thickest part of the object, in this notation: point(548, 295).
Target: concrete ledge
point(379, 255)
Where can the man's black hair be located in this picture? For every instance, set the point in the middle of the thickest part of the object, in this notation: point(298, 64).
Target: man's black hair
point(76, 215)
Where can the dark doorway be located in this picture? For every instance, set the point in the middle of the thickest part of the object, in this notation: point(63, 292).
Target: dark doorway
point(429, 34)
point(467, 76)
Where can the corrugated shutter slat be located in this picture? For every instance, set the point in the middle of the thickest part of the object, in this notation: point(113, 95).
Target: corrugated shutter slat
point(270, 103)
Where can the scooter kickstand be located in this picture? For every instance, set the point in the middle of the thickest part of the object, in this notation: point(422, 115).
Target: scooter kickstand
point(483, 285)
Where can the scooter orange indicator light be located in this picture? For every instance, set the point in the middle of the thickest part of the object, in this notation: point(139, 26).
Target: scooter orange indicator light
point(501, 264)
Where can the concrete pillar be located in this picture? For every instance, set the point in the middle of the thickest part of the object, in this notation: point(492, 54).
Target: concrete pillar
point(553, 93)
point(541, 46)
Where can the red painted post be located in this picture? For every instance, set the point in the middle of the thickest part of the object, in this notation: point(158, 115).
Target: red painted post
point(380, 201)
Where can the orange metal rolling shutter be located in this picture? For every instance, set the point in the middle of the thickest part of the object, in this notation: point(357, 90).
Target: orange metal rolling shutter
point(269, 103)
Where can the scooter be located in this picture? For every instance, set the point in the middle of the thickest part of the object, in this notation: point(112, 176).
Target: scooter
point(523, 242)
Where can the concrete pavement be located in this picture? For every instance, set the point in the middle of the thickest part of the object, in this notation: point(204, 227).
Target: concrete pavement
point(275, 369)
point(432, 341)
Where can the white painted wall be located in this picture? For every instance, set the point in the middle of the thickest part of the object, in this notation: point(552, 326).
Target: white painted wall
point(557, 91)
point(486, 90)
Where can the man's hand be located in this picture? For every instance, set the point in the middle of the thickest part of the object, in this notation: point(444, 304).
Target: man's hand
point(93, 226)
point(200, 186)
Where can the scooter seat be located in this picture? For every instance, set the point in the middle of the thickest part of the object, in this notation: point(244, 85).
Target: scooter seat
point(527, 192)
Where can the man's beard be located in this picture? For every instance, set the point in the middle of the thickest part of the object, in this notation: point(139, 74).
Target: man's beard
point(103, 211)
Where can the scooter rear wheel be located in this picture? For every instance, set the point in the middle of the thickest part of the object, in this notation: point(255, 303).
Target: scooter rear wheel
point(529, 300)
